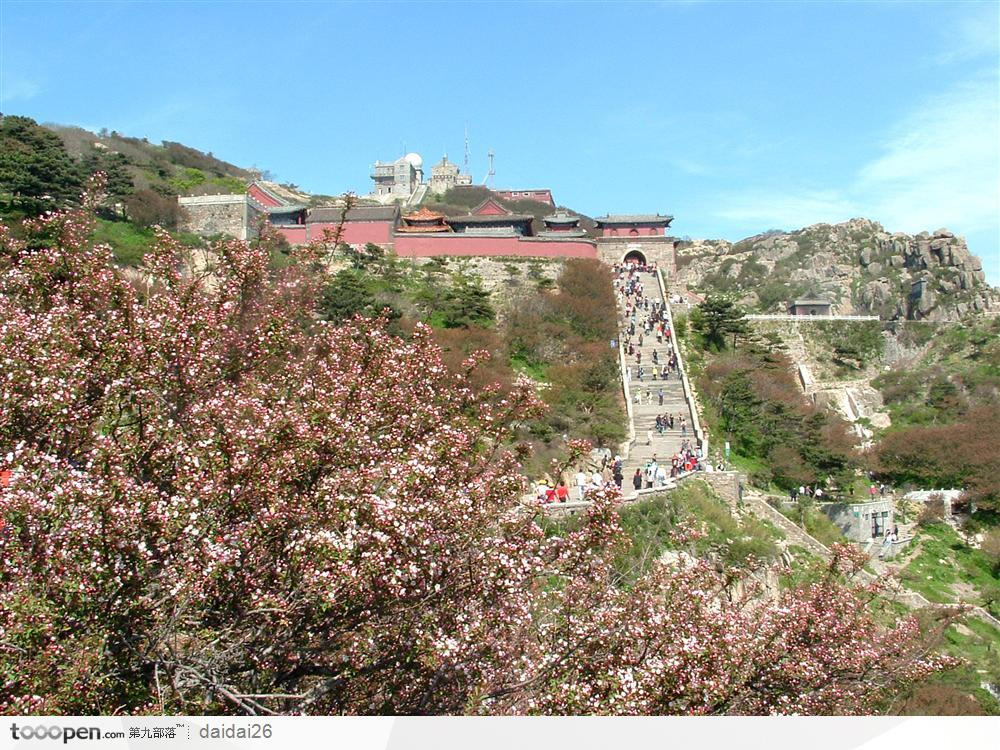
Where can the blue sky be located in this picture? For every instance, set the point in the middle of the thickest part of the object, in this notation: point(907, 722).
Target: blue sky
point(733, 117)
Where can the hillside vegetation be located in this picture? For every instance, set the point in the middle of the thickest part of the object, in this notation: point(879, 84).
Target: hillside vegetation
point(46, 168)
point(556, 334)
point(944, 401)
point(167, 168)
point(750, 398)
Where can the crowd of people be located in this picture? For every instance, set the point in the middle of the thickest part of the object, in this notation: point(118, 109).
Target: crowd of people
point(610, 474)
point(666, 422)
point(643, 319)
point(806, 491)
point(654, 475)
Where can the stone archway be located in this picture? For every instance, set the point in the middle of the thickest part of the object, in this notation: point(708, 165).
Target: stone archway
point(634, 256)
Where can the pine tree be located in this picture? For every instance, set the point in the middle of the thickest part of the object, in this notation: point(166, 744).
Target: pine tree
point(467, 304)
point(119, 185)
point(345, 296)
point(37, 174)
point(718, 319)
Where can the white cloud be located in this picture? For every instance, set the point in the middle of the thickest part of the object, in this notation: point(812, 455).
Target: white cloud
point(939, 166)
point(689, 166)
point(788, 209)
point(18, 89)
point(974, 35)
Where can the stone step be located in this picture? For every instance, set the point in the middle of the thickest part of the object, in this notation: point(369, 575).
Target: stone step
point(663, 445)
point(637, 456)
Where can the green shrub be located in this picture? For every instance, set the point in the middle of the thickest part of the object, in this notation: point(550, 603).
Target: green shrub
point(680, 325)
point(128, 242)
point(855, 344)
point(651, 523)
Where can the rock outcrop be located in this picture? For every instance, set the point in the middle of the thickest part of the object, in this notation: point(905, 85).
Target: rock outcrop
point(857, 265)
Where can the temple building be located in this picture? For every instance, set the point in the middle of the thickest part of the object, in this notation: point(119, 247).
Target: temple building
point(562, 224)
point(290, 215)
point(633, 225)
point(491, 217)
point(423, 220)
point(641, 238)
point(809, 307)
point(489, 229)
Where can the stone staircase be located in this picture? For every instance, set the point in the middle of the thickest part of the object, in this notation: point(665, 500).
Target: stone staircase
point(417, 196)
point(645, 412)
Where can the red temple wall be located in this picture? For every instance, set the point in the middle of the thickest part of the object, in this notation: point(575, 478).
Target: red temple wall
point(410, 246)
point(424, 246)
point(295, 234)
point(355, 232)
point(627, 232)
point(542, 196)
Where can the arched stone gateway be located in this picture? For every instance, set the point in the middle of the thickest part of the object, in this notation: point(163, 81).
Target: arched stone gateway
point(639, 238)
point(634, 256)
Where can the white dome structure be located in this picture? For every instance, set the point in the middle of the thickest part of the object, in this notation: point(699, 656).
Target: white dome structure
point(415, 160)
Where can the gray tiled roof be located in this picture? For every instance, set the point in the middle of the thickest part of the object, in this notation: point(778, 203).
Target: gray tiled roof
point(811, 302)
point(489, 219)
point(560, 218)
point(634, 219)
point(361, 213)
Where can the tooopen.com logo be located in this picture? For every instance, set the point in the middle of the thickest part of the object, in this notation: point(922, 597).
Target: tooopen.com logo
point(53, 732)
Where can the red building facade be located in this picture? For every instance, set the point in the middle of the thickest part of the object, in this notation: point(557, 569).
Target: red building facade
point(633, 225)
point(540, 195)
point(489, 229)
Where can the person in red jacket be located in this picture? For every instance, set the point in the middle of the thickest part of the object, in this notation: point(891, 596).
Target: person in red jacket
point(562, 492)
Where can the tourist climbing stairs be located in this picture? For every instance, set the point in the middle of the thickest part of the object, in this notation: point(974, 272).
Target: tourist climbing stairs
point(645, 395)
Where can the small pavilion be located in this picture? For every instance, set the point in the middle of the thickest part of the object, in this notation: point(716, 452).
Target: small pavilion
point(810, 307)
point(423, 220)
point(562, 224)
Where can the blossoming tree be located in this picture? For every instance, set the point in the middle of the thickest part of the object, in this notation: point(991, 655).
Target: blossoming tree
point(219, 502)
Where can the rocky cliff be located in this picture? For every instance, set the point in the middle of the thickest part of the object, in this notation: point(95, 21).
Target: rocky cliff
point(857, 265)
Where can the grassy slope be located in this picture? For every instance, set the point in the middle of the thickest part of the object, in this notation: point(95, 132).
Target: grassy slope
point(167, 168)
point(130, 242)
point(946, 569)
point(651, 523)
point(959, 365)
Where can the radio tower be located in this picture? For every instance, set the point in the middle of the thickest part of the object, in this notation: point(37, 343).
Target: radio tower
point(466, 164)
point(488, 182)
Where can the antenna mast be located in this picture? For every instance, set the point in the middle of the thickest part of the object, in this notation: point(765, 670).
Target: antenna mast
point(489, 175)
point(467, 149)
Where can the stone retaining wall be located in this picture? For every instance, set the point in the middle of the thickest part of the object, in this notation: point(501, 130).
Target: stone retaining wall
point(208, 215)
point(504, 275)
point(726, 484)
